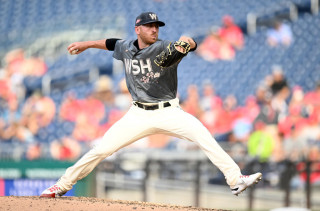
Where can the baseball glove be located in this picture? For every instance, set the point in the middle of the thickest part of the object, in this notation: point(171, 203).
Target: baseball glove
point(171, 54)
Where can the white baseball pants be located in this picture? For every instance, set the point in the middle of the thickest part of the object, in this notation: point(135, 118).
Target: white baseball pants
point(138, 123)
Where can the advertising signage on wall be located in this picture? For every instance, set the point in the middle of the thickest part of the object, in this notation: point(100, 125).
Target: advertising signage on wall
point(26, 187)
point(30, 178)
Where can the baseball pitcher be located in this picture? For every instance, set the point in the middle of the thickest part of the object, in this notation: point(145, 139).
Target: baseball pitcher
point(151, 76)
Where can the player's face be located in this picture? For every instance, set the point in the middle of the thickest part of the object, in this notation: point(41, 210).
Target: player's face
point(148, 33)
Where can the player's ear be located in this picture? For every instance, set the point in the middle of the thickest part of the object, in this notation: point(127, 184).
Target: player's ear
point(137, 29)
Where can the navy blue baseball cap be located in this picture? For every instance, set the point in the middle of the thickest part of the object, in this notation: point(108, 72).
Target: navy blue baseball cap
point(148, 17)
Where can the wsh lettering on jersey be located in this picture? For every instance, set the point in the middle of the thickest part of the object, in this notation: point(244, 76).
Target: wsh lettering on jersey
point(143, 68)
point(137, 66)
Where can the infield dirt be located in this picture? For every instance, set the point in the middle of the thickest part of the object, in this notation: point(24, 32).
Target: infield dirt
point(35, 203)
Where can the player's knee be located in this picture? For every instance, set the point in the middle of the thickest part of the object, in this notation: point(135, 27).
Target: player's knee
point(102, 151)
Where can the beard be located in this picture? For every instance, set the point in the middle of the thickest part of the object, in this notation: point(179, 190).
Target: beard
point(149, 39)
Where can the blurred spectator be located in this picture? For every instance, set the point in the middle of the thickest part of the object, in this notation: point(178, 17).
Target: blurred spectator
point(41, 107)
point(241, 130)
point(242, 125)
point(93, 109)
point(70, 107)
point(222, 42)
point(6, 92)
point(8, 131)
point(90, 107)
point(279, 103)
point(311, 132)
point(86, 113)
point(251, 109)
point(260, 143)
point(113, 116)
point(279, 34)
point(191, 103)
point(261, 146)
point(209, 99)
point(314, 157)
point(214, 48)
point(33, 152)
point(279, 81)
point(65, 149)
point(262, 94)
point(210, 103)
point(34, 67)
point(16, 63)
point(312, 102)
point(46, 109)
point(123, 99)
point(231, 33)
point(227, 115)
point(85, 129)
point(297, 98)
point(17, 67)
point(30, 121)
point(297, 103)
point(313, 97)
point(295, 147)
point(292, 122)
point(103, 90)
point(2, 128)
point(18, 132)
point(23, 134)
point(11, 112)
point(267, 83)
point(267, 114)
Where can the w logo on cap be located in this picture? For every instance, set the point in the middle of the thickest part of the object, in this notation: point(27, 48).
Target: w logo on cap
point(148, 17)
point(153, 16)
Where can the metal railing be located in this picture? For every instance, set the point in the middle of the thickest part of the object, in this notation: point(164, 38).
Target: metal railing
point(152, 164)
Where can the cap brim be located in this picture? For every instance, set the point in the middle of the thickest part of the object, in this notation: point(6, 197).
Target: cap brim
point(158, 22)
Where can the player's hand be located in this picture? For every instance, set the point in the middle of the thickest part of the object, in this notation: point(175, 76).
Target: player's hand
point(188, 40)
point(77, 47)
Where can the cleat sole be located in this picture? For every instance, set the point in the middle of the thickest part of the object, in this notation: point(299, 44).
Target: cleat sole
point(52, 195)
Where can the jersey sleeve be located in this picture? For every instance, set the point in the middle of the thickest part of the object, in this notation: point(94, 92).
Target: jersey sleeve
point(169, 55)
point(118, 50)
point(165, 43)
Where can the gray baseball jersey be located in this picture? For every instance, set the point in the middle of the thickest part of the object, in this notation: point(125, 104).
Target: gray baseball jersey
point(146, 81)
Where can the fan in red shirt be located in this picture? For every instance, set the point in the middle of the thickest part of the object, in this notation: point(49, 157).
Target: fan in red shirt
point(231, 32)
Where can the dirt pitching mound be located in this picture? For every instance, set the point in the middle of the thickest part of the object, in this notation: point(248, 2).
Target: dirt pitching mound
point(35, 203)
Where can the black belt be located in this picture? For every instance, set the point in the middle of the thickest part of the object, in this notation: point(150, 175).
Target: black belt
point(151, 107)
